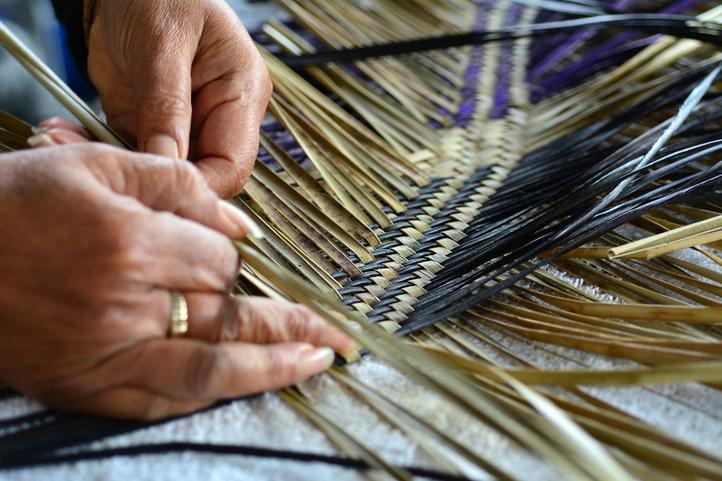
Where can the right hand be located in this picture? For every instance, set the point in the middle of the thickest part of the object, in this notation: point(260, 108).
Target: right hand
point(93, 240)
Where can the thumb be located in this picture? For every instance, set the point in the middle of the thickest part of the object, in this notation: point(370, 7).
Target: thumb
point(162, 91)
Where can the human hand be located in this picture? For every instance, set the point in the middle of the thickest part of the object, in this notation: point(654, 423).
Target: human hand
point(94, 239)
point(182, 80)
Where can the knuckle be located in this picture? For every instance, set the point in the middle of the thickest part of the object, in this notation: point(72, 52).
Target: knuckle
point(183, 176)
point(261, 329)
point(165, 103)
point(221, 260)
point(184, 184)
point(302, 323)
point(244, 320)
point(92, 151)
point(204, 366)
point(230, 320)
point(188, 178)
point(120, 248)
point(280, 370)
point(100, 160)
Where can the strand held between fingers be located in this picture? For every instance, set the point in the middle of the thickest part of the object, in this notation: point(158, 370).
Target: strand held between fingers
point(240, 219)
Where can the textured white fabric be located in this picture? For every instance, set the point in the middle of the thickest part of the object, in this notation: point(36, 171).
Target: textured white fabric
point(691, 411)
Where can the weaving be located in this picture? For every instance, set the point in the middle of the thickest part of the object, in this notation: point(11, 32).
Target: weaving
point(563, 188)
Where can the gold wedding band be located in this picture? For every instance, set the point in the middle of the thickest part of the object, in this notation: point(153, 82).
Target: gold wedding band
point(178, 314)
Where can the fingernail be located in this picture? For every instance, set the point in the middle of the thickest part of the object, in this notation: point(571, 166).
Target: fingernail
point(40, 140)
point(38, 130)
point(352, 353)
point(163, 145)
point(315, 360)
point(241, 220)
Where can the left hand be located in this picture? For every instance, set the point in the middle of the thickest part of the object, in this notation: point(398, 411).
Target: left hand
point(94, 239)
point(182, 80)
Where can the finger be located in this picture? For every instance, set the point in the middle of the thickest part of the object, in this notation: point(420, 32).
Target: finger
point(177, 187)
point(195, 370)
point(41, 140)
point(226, 155)
point(62, 136)
point(184, 255)
point(218, 318)
point(134, 403)
point(64, 124)
point(161, 83)
point(55, 136)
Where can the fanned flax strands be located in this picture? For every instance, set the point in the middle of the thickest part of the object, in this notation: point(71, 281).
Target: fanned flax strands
point(562, 190)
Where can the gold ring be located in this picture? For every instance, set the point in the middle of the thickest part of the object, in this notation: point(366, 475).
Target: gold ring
point(178, 314)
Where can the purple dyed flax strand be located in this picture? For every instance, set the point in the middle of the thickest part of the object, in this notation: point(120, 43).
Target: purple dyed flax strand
point(503, 79)
point(467, 107)
point(563, 79)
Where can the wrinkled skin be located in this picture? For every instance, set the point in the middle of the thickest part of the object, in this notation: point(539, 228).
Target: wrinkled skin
point(183, 80)
point(93, 240)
